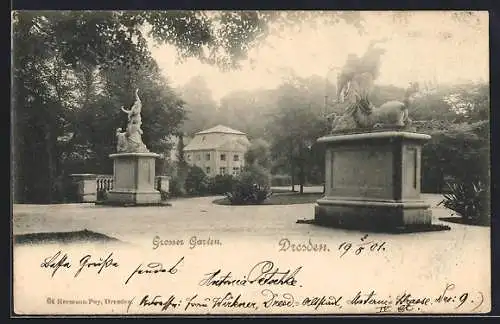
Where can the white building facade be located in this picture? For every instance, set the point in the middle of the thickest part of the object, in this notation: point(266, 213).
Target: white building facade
point(219, 150)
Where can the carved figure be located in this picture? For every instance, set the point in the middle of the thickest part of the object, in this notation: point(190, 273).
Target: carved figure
point(355, 84)
point(135, 110)
point(131, 139)
point(122, 143)
point(394, 113)
point(360, 113)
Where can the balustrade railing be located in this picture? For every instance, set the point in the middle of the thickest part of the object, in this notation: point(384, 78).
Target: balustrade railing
point(92, 187)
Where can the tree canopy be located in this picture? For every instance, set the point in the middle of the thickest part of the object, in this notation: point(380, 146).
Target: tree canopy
point(73, 70)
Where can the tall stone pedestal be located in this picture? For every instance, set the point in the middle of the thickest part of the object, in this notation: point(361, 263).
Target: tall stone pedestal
point(134, 176)
point(373, 181)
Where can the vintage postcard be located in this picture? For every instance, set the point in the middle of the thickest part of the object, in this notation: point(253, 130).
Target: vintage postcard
point(250, 163)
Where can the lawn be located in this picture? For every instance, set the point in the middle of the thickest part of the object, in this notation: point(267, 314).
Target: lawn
point(283, 198)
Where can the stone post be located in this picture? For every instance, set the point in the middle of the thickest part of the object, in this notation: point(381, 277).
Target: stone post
point(163, 183)
point(86, 186)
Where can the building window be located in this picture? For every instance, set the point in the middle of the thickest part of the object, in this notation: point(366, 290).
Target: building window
point(222, 170)
point(223, 157)
point(188, 157)
point(198, 157)
point(236, 170)
point(236, 157)
point(207, 170)
point(207, 156)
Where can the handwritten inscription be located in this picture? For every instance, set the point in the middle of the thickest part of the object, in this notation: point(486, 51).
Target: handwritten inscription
point(364, 246)
point(153, 268)
point(155, 301)
point(280, 288)
point(263, 273)
point(55, 262)
point(193, 242)
point(61, 260)
point(87, 263)
point(273, 299)
point(269, 299)
point(227, 300)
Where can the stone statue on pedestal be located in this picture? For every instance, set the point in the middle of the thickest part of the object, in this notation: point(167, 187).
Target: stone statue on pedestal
point(355, 84)
point(131, 140)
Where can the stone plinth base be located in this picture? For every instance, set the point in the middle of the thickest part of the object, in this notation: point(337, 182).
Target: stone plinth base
point(134, 176)
point(371, 215)
point(372, 180)
point(115, 197)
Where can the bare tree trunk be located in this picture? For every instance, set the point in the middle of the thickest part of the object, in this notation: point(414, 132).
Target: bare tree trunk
point(50, 164)
point(301, 177)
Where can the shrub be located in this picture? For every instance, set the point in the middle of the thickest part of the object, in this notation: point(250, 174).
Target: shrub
point(164, 195)
point(176, 189)
point(220, 184)
point(255, 174)
point(470, 200)
point(248, 194)
point(196, 181)
point(251, 187)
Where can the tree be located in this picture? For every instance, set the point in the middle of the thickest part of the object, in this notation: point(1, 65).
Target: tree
point(259, 153)
point(70, 65)
point(224, 38)
point(247, 110)
point(66, 99)
point(201, 108)
point(295, 128)
point(471, 101)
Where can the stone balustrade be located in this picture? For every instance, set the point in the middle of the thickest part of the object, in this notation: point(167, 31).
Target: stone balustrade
point(92, 187)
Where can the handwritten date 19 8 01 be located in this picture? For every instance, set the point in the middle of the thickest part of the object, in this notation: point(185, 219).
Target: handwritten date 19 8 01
point(364, 245)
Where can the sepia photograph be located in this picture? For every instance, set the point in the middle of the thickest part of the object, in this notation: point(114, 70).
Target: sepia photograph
point(250, 163)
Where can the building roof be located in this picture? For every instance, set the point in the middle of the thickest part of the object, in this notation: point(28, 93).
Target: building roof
point(229, 143)
point(221, 129)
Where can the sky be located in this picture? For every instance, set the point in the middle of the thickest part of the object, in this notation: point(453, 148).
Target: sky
point(431, 47)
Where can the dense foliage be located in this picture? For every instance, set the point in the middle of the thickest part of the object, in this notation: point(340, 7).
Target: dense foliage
point(456, 162)
point(196, 182)
point(221, 184)
point(460, 152)
point(73, 70)
point(251, 187)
